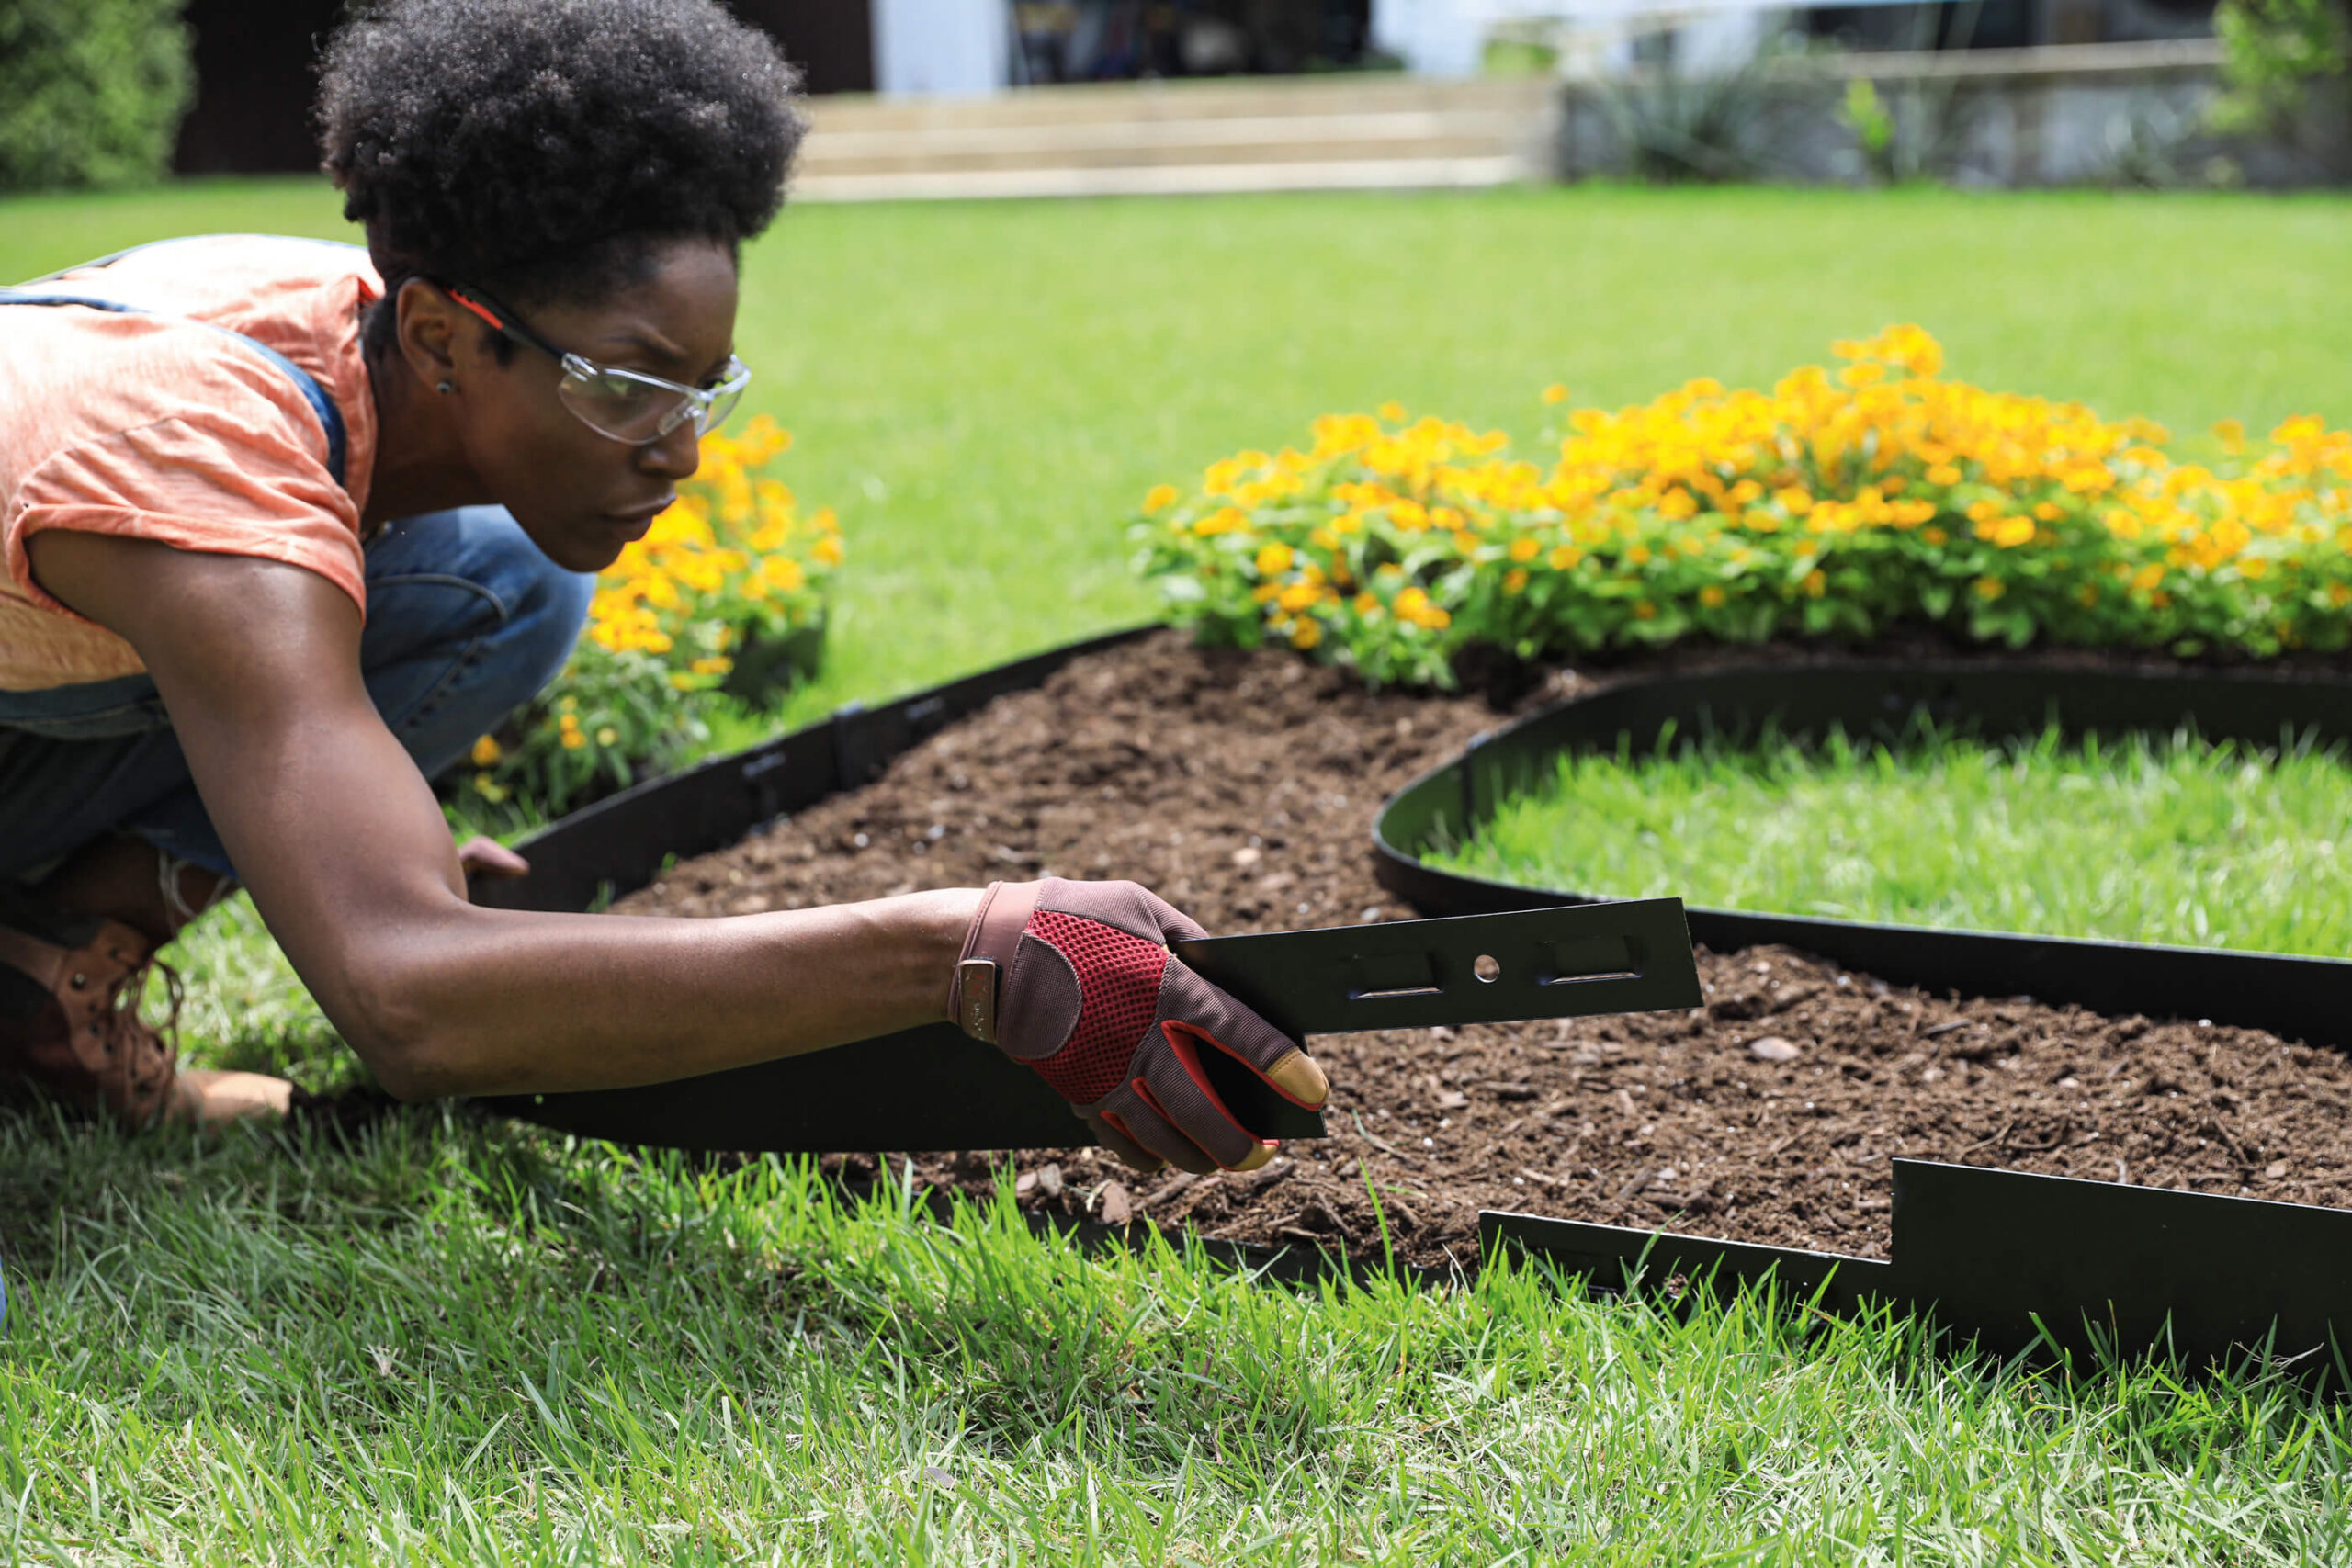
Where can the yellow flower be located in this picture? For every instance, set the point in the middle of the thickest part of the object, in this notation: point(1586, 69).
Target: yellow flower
point(1712, 596)
point(1514, 579)
point(1990, 588)
point(1306, 633)
point(1556, 393)
point(573, 741)
point(2011, 531)
point(1273, 559)
point(1392, 411)
point(1817, 582)
point(1159, 498)
point(487, 752)
point(828, 550)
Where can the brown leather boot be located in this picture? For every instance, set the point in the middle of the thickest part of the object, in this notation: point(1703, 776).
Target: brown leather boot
point(69, 1014)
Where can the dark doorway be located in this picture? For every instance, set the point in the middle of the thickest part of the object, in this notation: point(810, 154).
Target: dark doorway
point(256, 73)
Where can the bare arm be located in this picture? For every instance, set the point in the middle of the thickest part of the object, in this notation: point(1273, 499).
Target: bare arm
point(348, 859)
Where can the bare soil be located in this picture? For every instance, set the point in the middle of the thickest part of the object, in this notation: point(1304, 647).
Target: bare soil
point(1243, 786)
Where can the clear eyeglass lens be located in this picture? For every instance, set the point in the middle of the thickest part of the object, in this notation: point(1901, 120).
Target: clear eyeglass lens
point(619, 406)
point(729, 393)
point(631, 408)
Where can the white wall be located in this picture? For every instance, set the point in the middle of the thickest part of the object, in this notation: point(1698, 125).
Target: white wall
point(941, 47)
point(1434, 38)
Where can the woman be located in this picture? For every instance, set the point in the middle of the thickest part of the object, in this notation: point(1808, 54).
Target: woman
point(288, 524)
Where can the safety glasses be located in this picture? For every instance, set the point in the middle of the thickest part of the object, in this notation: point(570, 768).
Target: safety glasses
point(627, 405)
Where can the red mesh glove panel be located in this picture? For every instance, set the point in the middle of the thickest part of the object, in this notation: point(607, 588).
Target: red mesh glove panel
point(1080, 986)
point(1119, 977)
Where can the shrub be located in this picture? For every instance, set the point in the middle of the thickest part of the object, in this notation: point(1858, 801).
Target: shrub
point(1836, 505)
point(2273, 52)
point(733, 562)
point(91, 91)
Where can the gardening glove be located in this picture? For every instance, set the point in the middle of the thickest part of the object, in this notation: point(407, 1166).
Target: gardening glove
point(1075, 979)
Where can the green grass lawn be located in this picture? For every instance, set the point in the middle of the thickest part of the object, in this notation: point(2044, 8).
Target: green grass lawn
point(463, 1342)
point(2165, 839)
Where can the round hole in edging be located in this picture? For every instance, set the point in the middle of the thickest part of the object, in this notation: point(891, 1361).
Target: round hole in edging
point(1486, 968)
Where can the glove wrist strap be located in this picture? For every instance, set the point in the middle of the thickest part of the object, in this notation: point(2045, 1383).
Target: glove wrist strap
point(989, 947)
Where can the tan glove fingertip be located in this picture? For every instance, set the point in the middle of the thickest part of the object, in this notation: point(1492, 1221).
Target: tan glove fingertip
point(1299, 1075)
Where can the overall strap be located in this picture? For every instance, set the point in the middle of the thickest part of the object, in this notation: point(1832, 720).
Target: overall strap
point(330, 417)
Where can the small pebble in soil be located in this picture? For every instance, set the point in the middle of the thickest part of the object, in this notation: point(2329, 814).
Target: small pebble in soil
point(1772, 1048)
point(1049, 1181)
point(1114, 1204)
point(2275, 1170)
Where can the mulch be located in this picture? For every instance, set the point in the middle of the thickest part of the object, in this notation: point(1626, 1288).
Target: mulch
point(1242, 786)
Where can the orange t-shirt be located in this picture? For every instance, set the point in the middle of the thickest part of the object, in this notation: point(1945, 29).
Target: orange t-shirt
point(154, 427)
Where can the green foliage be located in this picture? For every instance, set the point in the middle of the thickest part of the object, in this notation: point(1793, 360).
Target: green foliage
point(2273, 52)
point(1835, 506)
point(1679, 126)
point(2174, 839)
point(725, 596)
point(91, 91)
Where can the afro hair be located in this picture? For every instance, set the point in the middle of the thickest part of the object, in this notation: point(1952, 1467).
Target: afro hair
point(539, 149)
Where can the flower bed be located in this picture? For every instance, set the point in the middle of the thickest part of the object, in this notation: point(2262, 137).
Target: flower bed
point(1840, 504)
point(1260, 822)
point(732, 574)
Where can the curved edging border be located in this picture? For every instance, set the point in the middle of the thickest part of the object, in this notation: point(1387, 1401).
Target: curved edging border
point(920, 1089)
point(2004, 1257)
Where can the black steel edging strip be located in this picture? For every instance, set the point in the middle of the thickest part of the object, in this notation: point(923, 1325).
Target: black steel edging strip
point(2012, 1260)
point(2008, 1258)
point(2294, 995)
point(920, 1089)
point(931, 1089)
point(620, 843)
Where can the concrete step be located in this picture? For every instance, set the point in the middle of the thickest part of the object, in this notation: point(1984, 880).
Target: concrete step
point(1053, 138)
point(1345, 132)
point(1182, 179)
point(1112, 146)
point(1122, 102)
